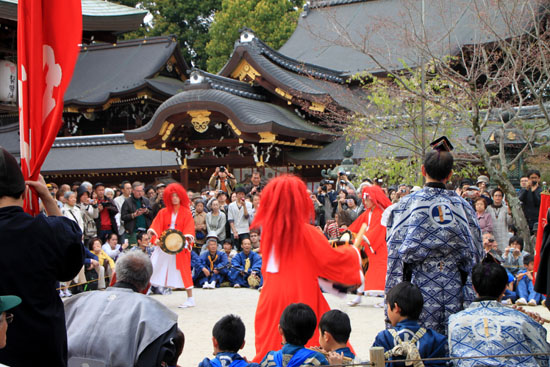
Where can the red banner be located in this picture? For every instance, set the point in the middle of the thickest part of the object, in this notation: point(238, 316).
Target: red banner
point(544, 206)
point(48, 36)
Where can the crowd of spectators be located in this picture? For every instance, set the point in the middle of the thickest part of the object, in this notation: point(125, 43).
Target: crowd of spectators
point(118, 217)
point(115, 219)
point(114, 222)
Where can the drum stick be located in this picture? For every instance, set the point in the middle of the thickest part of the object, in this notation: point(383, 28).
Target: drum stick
point(360, 235)
point(368, 243)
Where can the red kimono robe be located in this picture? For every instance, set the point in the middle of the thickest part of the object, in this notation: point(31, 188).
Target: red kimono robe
point(375, 278)
point(297, 281)
point(185, 224)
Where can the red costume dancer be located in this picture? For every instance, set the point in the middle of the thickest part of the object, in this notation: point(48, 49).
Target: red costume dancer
point(295, 255)
point(174, 271)
point(374, 201)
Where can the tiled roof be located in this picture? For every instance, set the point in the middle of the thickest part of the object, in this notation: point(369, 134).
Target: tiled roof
point(97, 15)
point(249, 115)
point(224, 84)
point(107, 70)
point(90, 158)
point(339, 34)
point(307, 81)
point(90, 140)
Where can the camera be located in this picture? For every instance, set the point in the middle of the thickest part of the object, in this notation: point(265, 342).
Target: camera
point(222, 169)
point(324, 188)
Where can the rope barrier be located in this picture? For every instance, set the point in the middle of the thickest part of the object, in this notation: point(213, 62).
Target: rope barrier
point(369, 363)
point(77, 284)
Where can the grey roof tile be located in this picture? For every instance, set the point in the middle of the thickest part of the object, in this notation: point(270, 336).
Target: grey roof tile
point(332, 34)
point(105, 70)
point(97, 15)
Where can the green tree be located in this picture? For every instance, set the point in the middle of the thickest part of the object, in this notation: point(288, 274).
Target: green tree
point(273, 21)
point(188, 20)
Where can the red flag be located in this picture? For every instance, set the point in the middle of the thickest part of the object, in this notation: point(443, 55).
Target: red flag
point(544, 206)
point(48, 36)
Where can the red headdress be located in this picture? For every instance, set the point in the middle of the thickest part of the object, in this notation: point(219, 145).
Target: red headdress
point(180, 191)
point(376, 195)
point(285, 208)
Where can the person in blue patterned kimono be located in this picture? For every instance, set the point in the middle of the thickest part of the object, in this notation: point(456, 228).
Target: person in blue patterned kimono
point(245, 264)
point(487, 327)
point(214, 265)
point(434, 240)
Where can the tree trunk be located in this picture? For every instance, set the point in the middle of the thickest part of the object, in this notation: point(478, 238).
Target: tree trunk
point(500, 177)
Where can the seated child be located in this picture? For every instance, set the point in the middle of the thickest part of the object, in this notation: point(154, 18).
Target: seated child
point(334, 331)
point(509, 296)
point(525, 287)
point(405, 303)
point(244, 265)
point(227, 338)
point(296, 326)
point(487, 327)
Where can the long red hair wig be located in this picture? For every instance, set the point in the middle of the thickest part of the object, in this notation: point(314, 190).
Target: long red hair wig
point(285, 208)
point(178, 190)
point(376, 195)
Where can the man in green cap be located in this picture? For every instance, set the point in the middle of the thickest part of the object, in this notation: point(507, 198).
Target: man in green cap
point(6, 303)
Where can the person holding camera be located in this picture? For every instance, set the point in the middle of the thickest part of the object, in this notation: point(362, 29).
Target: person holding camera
point(327, 197)
point(106, 221)
point(530, 199)
point(222, 180)
point(137, 213)
point(343, 181)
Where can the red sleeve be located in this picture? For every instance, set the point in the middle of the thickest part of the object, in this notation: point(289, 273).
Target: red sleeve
point(342, 264)
point(186, 223)
point(356, 225)
point(158, 225)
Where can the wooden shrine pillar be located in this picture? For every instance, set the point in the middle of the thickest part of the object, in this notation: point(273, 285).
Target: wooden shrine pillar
point(184, 174)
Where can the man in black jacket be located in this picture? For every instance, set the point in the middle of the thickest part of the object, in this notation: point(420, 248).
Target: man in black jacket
point(136, 213)
point(530, 199)
point(36, 253)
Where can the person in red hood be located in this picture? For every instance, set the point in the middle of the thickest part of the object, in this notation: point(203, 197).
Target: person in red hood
point(374, 201)
point(174, 271)
point(295, 254)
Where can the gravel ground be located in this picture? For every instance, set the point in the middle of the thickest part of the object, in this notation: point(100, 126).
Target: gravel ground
point(197, 322)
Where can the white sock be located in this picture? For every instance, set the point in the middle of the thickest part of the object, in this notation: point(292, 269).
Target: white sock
point(191, 299)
